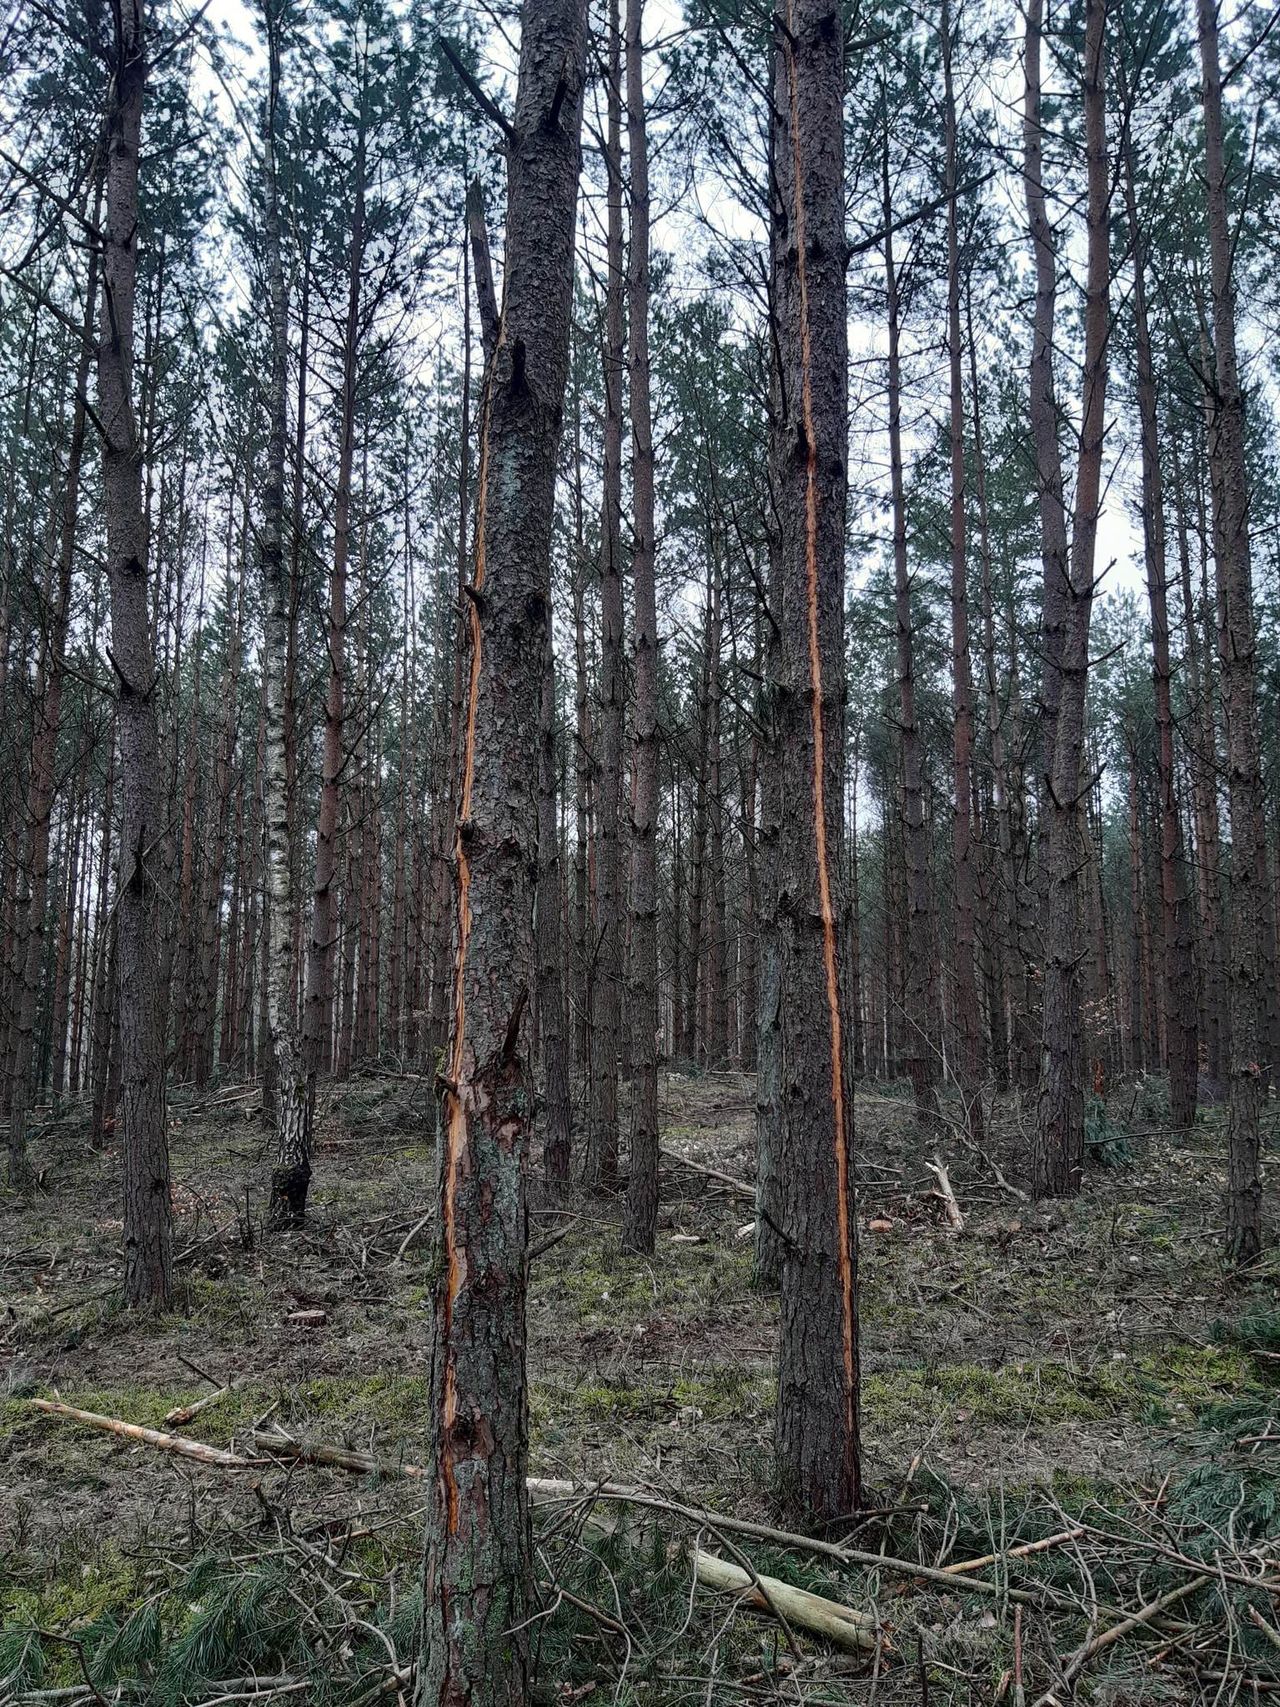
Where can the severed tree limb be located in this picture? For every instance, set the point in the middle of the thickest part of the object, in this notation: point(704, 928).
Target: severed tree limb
point(1021, 1552)
point(740, 1186)
point(944, 1192)
point(183, 1414)
point(214, 1456)
point(546, 1489)
point(1113, 1633)
point(843, 1625)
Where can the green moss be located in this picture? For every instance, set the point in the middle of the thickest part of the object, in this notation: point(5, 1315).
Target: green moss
point(1152, 1387)
point(720, 1394)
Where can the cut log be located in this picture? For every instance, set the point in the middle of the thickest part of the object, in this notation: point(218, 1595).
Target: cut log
point(843, 1625)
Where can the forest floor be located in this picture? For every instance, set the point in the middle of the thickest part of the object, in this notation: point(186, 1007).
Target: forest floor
point(1082, 1366)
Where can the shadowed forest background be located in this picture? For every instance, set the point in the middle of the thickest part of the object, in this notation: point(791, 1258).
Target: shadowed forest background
point(640, 851)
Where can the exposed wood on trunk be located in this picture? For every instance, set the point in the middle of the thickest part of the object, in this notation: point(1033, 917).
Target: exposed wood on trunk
point(817, 1413)
point(474, 1641)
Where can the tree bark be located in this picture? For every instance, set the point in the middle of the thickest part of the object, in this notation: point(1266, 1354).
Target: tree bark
point(474, 1643)
point(964, 861)
point(148, 1264)
point(1175, 905)
point(1230, 495)
point(640, 1214)
point(292, 1173)
point(554, 1045)
point(606, 1007)
point(817, 1414)
point(1057, 1161)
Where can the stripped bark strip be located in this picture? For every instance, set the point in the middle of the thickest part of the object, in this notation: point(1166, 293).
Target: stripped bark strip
point(474, 1640)
point(818, 1364)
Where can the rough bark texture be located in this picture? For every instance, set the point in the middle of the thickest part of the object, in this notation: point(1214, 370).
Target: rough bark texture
point(318, 1003)
point(550, 1011)
point(1183, 1049)
point(475, 1635)
point(42, 783)
point(1043, 410)
point(641, 1212)
point(964, 858)
point(1244, 782)
point(920, 948)
point(817, 1415)
point(148, 1268)
point(606, 1007)
point(1057, 1161)
point(292, 1173)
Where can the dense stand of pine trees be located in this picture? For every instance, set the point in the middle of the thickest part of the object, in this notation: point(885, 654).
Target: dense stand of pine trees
point(526, 576)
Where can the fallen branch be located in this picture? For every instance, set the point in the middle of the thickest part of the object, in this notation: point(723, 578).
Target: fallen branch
point(336, 1457)
point(945, 1194)
point(180, 1415)
point(1021, 1552)
point(1076, 1664)
point(214, 1456)
point(542, 1488)
point(843, 1625)
point(739, 1185)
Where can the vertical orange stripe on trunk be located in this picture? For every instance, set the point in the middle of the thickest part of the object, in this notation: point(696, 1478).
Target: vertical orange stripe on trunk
point(829, 955)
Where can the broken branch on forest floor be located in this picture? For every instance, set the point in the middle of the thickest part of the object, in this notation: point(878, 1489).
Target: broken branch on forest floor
point(740, 1186)
point(214, 1456)
point(844, 1625)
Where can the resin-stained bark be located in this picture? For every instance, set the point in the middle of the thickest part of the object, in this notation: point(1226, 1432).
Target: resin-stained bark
point(148, 1269)
point(475, 1635)
point(817, 1416)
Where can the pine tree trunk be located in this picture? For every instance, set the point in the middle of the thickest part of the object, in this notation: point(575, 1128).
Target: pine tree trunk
point(550, 1008)
point(1043, 412)
point(920, 928)
point(475, 1638)
point(148, 1265)
point(640, 1214)
point(1175, 904)
point(817, 1414)
point(964, 861)
point(606, 1006)
point(1057, 1161)
point(1237, 646)
point(318, 1000)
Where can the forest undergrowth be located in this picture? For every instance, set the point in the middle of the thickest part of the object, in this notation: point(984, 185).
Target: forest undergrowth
point(1080, 1373)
